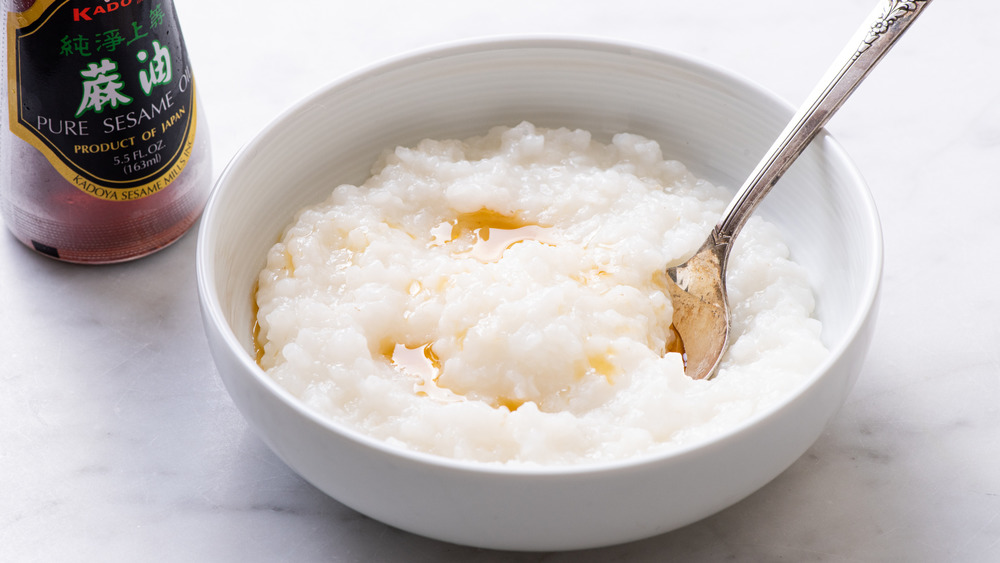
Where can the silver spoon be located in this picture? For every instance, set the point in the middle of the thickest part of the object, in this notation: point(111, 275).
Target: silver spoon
point(698, 286)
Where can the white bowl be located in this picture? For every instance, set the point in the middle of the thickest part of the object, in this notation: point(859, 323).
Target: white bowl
point(715, 122)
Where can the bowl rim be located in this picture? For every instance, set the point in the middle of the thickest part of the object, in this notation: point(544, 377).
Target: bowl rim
point(212, 309)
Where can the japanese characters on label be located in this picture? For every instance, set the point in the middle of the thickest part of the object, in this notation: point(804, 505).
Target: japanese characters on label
point(104, 90)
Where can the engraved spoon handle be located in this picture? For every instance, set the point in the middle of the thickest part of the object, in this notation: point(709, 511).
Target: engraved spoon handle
point(879, 32)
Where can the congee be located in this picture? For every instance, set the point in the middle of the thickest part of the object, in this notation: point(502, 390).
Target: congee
point(501, 299)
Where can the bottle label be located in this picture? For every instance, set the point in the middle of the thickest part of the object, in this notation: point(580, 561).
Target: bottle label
point(104, 90)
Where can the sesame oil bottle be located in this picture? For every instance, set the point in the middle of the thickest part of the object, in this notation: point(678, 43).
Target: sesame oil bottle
point(104, 154)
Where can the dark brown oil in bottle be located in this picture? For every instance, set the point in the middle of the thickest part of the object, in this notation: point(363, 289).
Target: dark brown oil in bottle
point(104, 151)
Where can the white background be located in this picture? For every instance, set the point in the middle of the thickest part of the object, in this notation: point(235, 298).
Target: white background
point(118, 442)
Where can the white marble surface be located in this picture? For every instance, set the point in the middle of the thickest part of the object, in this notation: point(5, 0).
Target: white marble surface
point(118, 442)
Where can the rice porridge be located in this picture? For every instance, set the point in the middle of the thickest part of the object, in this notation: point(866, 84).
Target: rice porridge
point(502, 299)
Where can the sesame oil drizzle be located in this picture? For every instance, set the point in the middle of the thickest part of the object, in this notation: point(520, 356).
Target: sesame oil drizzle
point(484, 235)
